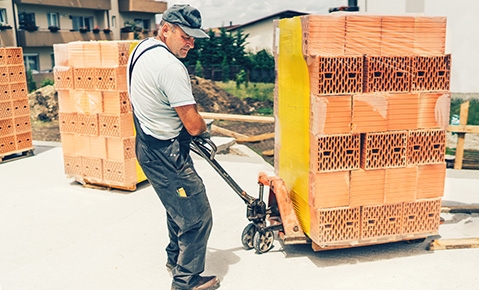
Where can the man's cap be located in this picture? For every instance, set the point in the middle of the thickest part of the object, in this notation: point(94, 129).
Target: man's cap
point(187, 18)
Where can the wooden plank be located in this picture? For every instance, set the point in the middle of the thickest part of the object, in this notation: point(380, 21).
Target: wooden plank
point(227, 132)
point(460, 209)
point(232, 117)
point(448, 244)
point(461, 136)
point(268, 152)
point(14, 155)
point(463, 129)
point(256, 138)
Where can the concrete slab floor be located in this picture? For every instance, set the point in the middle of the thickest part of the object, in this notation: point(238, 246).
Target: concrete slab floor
point(57, 235)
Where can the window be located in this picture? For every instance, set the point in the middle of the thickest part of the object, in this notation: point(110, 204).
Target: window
point(143, 23)
point(3, 16)
point(82, 22)
point(52, 56)
point(26, 19)
point(113, 21)
point(31, 61)
point(53, 19)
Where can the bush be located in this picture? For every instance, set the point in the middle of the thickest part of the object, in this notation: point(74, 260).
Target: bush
point(47, 82)
point(31, 84)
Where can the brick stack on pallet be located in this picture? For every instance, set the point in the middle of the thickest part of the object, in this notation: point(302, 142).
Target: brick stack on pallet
point(96, 121)
point(15, 126)
point(378, 110)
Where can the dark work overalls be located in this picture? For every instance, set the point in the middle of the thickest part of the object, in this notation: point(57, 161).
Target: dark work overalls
point(169, 168)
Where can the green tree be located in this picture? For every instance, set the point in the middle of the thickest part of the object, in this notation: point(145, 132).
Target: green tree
point(198, 69)
point(31, 84)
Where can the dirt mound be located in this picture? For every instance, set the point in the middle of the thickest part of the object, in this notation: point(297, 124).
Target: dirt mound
point(44, 104)
point(211, 98)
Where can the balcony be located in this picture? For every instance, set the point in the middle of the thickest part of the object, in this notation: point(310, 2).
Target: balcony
point(45, 38)
point(89, 4)
point(135, 35)
point(6, 37)
point(149, 6)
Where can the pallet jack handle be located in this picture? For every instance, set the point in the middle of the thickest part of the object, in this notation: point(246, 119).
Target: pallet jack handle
point(207, 150)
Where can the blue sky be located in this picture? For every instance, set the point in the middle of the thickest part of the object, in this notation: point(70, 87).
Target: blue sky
point(220, 12)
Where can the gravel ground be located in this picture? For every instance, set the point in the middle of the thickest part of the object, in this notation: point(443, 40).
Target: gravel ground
point(471, 141)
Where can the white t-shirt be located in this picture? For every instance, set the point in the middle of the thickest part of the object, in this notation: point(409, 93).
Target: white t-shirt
point(160, 82)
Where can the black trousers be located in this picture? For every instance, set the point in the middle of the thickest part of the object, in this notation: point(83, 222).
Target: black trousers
point(169, 169)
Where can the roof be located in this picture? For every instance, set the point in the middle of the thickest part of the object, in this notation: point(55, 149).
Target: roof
point(279, 15)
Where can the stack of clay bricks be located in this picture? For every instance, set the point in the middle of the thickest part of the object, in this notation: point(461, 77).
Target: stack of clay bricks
point(96, 121)
point(379, 109)
point(15, 126)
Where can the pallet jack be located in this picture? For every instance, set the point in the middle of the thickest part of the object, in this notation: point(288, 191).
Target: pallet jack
point(265, 219)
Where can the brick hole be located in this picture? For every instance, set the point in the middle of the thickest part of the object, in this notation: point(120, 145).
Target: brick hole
point(375, 151)
point(421, 73)
point(371, 221)
point(417, 147)
point(328, 226)
point(352, 75)
point(442, 73)
point(397, 149)
point(399, 74)
point(328, 75)
point(349, 224)
point(349, 152)
point(378, 74)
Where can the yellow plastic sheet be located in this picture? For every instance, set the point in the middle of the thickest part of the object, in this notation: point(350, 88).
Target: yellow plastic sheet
point(293, 117)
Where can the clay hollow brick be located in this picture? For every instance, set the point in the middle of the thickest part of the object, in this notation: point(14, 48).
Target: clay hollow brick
point(116, 126)
point(111, 79)
point(4, 79)
point(379, 221)
point(387, 73)
point(120, 173)
point(403, 111)
point(6, 127)
point(120, 149)
point(5, 93)
point(426, 146)
point(7, 144)
point(431, 73)
point(98, 147)
point(20, 107)
point(337, 225)
point(22, 124)
point(24, 140)
point(3, 60)
point(68, 122)
point(367, 187)
point(16, 73)
point(434, 109)
point(337, 75)
point(383, 150)
point(84, 78)
point(431, 181)
point(116, 103)
point(369, 113)
point(331, 115)
point(72, 165)
point(114, 53)
point(87, 124)
point(336, 152)
point(14, 55)
point(329, 189)
point(63, 78)
point(421, 216)
point(400, 185)
point(18, 90)
point(87, 102)
point(92, 168)
point(6, 110)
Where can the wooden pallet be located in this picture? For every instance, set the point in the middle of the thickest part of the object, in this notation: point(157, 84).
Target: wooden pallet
point(87, 183)
point(14, 155)
point(449, 244)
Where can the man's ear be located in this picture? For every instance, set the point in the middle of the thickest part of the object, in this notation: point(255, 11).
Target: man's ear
point(165, 29)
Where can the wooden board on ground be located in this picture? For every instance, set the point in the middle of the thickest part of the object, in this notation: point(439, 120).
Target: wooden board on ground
point(229, 133)
point(14, 155)
point(460, 209)
point(103, 186)
point(233, 117)
point(256, 138)
point(448, 244)
point(268, 152)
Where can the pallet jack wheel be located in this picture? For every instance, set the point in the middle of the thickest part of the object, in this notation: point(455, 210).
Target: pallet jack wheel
point(263, 241)
point(247, 236)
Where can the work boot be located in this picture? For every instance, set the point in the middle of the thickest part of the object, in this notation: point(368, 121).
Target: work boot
point(204, 283)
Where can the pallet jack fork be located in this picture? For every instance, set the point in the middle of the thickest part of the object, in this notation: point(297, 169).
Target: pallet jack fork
point(278, 216)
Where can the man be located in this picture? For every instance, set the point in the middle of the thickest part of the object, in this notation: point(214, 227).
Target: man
point(166, 118)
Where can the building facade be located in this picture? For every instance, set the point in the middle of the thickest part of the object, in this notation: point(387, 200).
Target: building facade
point(37, 25)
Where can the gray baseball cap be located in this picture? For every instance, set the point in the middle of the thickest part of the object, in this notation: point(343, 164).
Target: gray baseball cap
point(187, 18)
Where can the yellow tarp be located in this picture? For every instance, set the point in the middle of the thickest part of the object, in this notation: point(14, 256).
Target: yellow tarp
point(293, 117)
